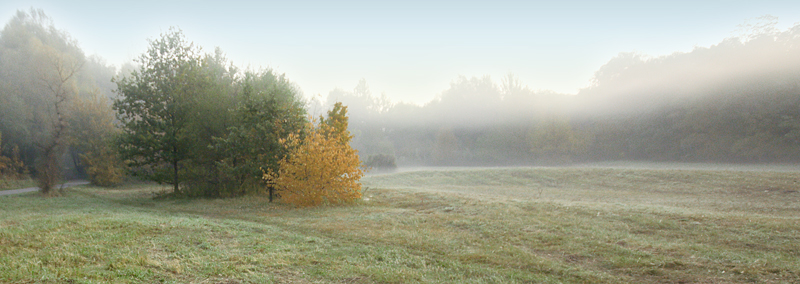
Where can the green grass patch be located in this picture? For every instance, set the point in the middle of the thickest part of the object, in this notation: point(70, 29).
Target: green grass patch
point(468, 226)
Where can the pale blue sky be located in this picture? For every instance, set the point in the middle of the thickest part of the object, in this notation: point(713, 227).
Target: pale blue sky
point(411, 50)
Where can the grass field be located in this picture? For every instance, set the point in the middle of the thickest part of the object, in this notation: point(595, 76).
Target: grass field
point(565, 225)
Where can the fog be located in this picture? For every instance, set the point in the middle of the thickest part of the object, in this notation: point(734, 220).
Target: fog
point(630, 81)
point(734, 101)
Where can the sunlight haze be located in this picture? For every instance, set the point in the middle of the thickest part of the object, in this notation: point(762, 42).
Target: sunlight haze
point(411, 50)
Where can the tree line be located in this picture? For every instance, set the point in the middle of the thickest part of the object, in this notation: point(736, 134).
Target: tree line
point(50, 93)
point(191, 119)
point(178, 116)
point(736, 101)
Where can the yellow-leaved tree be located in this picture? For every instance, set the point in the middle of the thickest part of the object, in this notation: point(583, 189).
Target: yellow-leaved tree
point(93, 133)
point(321, 167)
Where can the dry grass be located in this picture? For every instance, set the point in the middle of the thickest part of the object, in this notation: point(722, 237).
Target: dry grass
point(466, 226)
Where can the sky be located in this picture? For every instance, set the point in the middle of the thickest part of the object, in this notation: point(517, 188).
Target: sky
point(411, 50)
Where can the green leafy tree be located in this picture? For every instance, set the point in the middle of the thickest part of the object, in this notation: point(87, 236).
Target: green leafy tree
point(270, 111)
point(196, 122)
point(215, 90)
point(154, 107)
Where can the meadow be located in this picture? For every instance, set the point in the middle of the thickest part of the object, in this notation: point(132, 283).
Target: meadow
point(507, 225)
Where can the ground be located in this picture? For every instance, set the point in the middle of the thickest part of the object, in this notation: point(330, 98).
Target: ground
point(511, 225)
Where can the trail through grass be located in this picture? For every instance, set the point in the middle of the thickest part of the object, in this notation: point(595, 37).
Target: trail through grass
point(465, 226)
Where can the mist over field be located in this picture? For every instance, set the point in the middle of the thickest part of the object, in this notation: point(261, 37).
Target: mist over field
point(399, 142)
point(734, 101)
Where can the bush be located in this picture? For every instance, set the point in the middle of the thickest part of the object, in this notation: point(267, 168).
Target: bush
point(381, 161)
point(11, 167)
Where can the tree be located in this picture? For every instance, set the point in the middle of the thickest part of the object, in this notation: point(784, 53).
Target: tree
point(366, 118)
point(155, 107)
point(215, 93)
point(6, 163)
point(195, 121)
point(554, 140)
point(321, 167)
point(270, 110)
point(337, 123)
point(9, 166)
point(93, 132)
point(57, 75)
point(39, 65)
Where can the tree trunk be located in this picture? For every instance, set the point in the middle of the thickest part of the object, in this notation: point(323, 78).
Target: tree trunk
point(271, 191)
point(175, 188)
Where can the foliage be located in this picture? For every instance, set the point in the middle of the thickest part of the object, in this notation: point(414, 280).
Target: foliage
point(43, 72)
point(5, 162)
point(93, 135)
point(213, 99)
point(56, 69)
point(554, 141)
point(39, 66)
point(269, 111)
point(381, 161)
point(11, 167)
point(337, 123)
point(321, 167)
point(155, 106)
point(198, 123)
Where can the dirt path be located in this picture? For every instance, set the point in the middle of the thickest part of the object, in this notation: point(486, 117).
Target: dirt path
point(29, 189)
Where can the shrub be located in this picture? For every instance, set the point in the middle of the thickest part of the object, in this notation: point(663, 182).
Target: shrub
point(381, 161)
